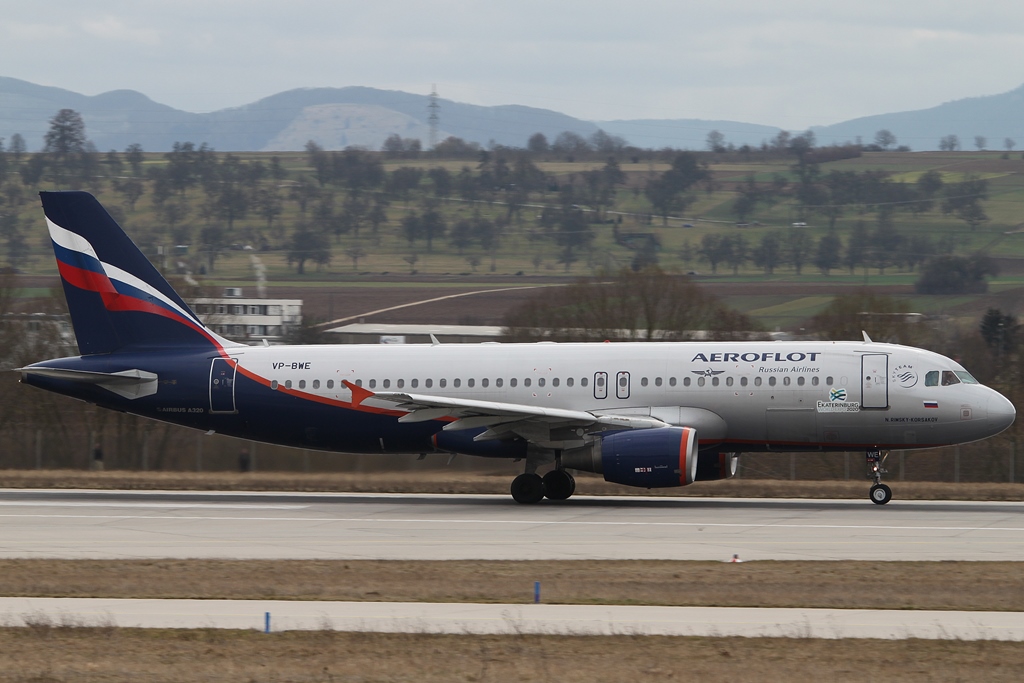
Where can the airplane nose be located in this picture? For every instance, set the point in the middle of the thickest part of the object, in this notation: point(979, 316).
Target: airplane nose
point(1001, 412)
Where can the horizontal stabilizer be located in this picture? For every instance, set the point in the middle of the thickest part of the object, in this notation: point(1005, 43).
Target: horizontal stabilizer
point(130, 384)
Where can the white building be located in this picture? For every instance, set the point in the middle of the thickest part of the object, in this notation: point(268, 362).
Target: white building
point(246, 319)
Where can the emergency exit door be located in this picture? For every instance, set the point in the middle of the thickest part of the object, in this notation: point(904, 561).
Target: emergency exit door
point(874, 374)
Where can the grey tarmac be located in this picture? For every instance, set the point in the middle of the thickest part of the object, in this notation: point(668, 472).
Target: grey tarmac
point(63, 524)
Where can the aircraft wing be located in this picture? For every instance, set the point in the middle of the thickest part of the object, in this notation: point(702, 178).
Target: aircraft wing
point(502, 420)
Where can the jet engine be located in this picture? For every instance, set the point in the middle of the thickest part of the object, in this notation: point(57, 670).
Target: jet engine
point(650, 458)
point(713, 466)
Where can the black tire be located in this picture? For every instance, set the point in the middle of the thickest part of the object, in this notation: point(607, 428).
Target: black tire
point(880, 494)
point(528, 488)
point(559, 485)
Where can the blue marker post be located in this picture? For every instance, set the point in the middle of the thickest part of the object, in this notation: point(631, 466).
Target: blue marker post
point(266, 622)
point(536, 592)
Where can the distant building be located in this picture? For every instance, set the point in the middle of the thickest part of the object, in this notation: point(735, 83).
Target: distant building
point(246, 319)
point(35, 335)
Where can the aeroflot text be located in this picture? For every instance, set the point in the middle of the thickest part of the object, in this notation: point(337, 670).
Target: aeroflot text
point(795, 356)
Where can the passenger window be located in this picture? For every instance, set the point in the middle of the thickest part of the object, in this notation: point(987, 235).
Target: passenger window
point(554, 382)
point(428, 383)
point(814, 381)
point(457, 383)
point(785, 381)
point(387, 384)
point(316, 384)
point(400, 384)
point(728, 381)
point(526, 382)
point(657, 381)
point(757, 381)
point(287, 384)
point(484, 382)
point(512, 382)
point(442, 383)
point(541, 382)
point(330, 384)
point(471, 382)
point(743, 381)
point(949, 378)
point(800, 380)
point(714, 381)
point(414, 383)
point(499, 382)
point(359, 382)
point(583, 381)
point(700, 381)
point(671, 381)
point(273, 385)
point(568, 381)
point(643, 381)
point(771, 381)
point(302, 383)
point(686, 381)
point(828, 380)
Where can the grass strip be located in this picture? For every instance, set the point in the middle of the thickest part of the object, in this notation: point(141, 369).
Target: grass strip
point(987, 586)
point(56, 654)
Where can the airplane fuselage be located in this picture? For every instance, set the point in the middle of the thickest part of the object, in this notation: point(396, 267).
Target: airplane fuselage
point(740, 396)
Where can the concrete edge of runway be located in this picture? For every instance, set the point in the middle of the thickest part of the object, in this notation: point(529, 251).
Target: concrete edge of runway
point(512, 619)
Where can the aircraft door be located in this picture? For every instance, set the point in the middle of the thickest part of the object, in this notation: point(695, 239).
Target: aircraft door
point(622, 385)
point(600, 385)
point(874, 374)
point(222, 385)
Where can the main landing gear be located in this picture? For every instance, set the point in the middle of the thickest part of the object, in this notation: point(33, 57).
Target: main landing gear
point(530, 487)
point(880, 494)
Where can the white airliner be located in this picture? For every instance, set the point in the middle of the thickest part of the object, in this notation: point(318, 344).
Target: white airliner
point(642, 414)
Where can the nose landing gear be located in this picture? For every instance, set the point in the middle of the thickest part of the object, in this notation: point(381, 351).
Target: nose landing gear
point(880, 494)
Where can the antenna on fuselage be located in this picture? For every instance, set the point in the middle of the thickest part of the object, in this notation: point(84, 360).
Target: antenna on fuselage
point(867, 339)
point(433, 340)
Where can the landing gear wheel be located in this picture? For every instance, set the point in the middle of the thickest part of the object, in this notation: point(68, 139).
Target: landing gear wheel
point(880, 494)
point(528, 488)
point(559, 485)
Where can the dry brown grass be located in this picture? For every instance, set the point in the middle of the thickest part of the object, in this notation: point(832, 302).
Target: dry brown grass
point(447, 481)
point(875, 585)
point(56, 655)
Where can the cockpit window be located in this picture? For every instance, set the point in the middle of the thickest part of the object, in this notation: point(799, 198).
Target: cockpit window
point(931, 379)
point(966, 377)
point(949, 377)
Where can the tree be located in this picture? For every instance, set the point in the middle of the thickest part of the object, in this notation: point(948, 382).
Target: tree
point(829, 253)
point(980, 141)
point(949, 143)
point(308, 244)
point(955, 275)
point(17, 147)
point(667, 192)
point(355, 253)
point(134, 155)
point(798, 247)
point(768, 252)
point(65, 142)
point(857, 247)
point(885, 139)
point(715, 142)
point(848, 316)
point(963, 200)
point(538, 144)
point(999, 331)
point(213, 241)
point(1009, 144)
point(714, 249)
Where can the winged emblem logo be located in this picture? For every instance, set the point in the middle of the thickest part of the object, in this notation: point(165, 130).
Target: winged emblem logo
point(707, 373)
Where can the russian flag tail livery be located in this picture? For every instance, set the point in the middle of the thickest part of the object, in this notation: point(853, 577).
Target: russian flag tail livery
point(117, 298)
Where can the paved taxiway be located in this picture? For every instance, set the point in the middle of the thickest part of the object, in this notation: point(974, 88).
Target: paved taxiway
point(418, 617)
point(115, 524)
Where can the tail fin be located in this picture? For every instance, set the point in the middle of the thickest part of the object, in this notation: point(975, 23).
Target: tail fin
point(116, 297)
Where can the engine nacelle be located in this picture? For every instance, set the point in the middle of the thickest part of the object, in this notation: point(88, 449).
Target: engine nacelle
point(649, 458)
point(713, 466)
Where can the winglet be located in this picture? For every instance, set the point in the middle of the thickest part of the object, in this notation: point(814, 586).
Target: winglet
point(359, 394)
point(867, 339)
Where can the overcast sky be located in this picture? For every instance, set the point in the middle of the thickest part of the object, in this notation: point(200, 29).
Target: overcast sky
point(786, 63)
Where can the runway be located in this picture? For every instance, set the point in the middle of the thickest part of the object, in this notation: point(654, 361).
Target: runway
point(124, 524)
point(462, 618)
